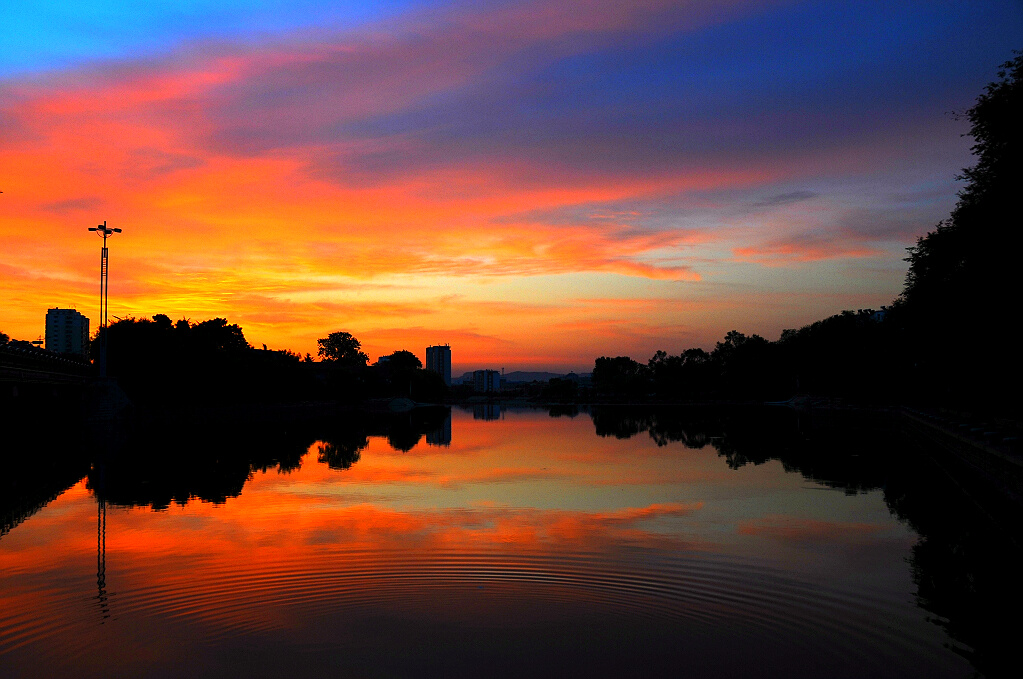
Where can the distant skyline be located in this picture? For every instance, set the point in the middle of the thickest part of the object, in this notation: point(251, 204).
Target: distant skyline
point(534, 183)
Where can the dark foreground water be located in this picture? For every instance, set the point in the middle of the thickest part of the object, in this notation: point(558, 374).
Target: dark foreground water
point(622, 543)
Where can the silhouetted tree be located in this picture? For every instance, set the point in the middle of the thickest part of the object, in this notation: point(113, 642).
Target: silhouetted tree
point(559, 390)
point(342, 348)
point(620, 375)
point(428, 386)
point(967, 255)
point(214, 334)
point(666, 372)
point(962, 276)
point(157, 361)
point(4, 339)
point(403, 360)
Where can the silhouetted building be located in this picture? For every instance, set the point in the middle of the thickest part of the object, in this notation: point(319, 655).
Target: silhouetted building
point(486, 381)
point(67, 332)
point(438, 359)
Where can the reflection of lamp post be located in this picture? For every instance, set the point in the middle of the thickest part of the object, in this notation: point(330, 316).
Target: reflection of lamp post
point(104, 282)
point(101, 553)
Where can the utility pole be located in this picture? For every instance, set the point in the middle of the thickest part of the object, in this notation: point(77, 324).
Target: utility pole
point(104, 284)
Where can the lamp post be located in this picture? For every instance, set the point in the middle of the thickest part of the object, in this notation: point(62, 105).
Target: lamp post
point(104, 283)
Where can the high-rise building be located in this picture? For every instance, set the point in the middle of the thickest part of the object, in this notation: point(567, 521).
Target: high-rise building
point(486, 381)
point(438, 359)
point(67, 332)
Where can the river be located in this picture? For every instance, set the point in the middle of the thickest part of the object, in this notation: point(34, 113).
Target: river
point(490, 542)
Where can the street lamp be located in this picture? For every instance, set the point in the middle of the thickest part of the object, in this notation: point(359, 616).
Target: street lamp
point(104, 282)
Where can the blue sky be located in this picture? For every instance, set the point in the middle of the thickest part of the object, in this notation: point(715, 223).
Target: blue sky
point(536, 182)
point(40, 36)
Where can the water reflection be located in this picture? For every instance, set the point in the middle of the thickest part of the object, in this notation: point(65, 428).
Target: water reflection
point(965, 565)
point(36, 469)
point(341, 455)
point(441, 436)
point(854, 452)
point(673, 537)
point(213, 462)
point(102, 599)
point(486, 411)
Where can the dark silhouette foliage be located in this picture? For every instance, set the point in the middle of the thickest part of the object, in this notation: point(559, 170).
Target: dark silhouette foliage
point(620, 375)
point(969, 257)
point(402, 375)
point(850, 354)
point(342, 349)
point(403, 360)
point(558, 390)
point(183, 364)
point(160, 363)
point(962, 279)
point(942, 342)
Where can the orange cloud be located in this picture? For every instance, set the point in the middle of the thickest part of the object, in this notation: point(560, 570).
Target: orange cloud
point(801, 250)
point(265, 184)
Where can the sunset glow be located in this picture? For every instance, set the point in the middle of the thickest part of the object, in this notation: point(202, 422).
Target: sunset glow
point(534, 183)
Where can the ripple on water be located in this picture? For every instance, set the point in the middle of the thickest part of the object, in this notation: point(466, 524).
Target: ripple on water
point(739, 597)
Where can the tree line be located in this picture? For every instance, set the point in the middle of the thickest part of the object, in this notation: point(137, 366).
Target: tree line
point(183, 363)
point(949, 338)
point(847, 354)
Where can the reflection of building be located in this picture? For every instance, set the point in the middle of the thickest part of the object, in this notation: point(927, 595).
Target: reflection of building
point(441, 436)
point(438, 359)
point(486, 411)
point(67, 332)
point(486, 381)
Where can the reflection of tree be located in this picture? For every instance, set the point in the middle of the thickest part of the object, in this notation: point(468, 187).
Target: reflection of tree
point(403, 439)
point(827, 451)
point(211, 461)
point(37, 468)
point(964, 565)
point(620, 422)
point(694, 428)
point(342, 454)
point(568, 410)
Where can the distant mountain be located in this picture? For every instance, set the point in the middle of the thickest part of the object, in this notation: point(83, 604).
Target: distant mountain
point(522, 376)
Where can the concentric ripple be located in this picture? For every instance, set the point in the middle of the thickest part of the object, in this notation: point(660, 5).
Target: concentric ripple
point(737, 597)
point(541, 551)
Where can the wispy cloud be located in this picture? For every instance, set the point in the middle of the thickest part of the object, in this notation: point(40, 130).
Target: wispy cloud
point(433, 171)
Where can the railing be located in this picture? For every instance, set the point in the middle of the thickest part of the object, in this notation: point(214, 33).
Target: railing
point(22, 360)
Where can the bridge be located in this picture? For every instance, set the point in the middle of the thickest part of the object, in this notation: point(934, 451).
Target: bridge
point(32, 378)
point(22, 363)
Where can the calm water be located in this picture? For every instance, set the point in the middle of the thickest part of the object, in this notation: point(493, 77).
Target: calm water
point(622, 543)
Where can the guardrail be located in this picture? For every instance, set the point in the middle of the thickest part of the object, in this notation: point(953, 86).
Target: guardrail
point(24, 362)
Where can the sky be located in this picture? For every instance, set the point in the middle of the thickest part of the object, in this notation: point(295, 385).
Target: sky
point(534, 183)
